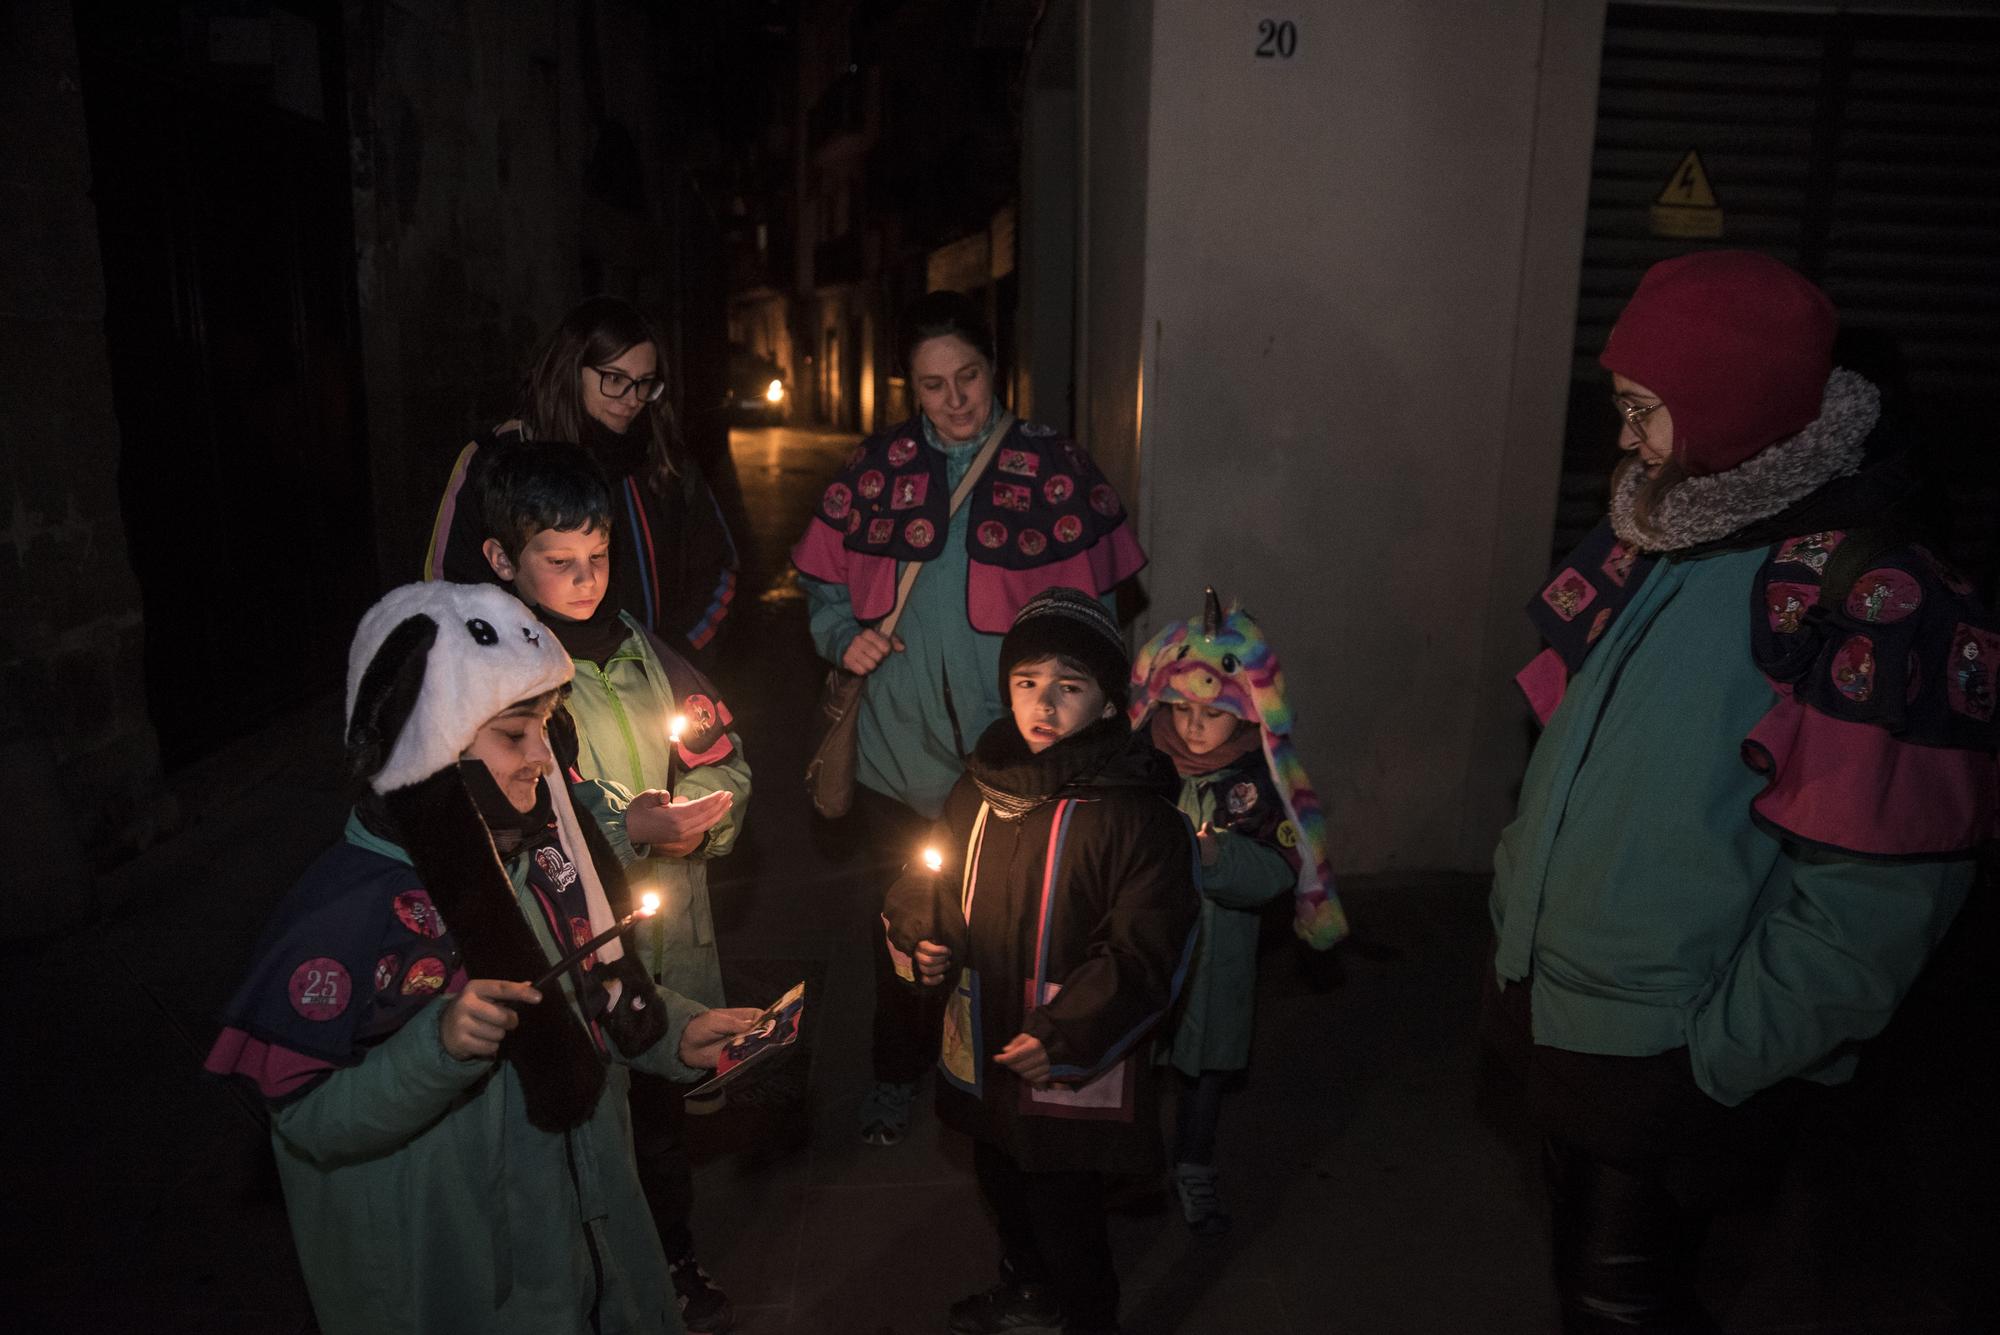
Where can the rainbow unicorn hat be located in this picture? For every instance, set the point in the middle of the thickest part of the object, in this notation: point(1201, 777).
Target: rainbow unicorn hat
point(1224, 662)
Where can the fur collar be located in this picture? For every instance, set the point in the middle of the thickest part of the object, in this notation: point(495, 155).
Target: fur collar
point(1705, 509)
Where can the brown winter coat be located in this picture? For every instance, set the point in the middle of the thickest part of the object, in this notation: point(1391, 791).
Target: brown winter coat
point(1122, 906)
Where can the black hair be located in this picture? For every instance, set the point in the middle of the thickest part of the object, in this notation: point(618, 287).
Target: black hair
point(536, 485)
point(945, 314)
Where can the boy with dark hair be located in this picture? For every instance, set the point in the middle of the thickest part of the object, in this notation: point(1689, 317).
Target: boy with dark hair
point(643, 718)
point(1061, 923)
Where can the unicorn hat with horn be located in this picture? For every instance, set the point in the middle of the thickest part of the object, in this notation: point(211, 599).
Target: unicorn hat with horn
point(1224, 662)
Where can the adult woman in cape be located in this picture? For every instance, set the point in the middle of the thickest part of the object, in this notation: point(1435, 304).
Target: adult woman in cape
point(1767, 762)
point(1040, 516)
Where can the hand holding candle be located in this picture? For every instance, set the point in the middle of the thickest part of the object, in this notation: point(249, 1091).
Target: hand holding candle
point(932, 960)
point(649, 904)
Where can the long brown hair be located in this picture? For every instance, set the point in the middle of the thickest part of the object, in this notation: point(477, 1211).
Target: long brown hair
point(596, 331)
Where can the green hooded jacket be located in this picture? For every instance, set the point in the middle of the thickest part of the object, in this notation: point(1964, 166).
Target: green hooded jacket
point(622, 711)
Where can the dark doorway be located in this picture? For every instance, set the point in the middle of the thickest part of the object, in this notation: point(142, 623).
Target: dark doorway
point(218, 152)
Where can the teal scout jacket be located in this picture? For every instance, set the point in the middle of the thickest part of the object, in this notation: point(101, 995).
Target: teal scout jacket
point(1650, 910)
point(1218, 1002)
point(423, 1201)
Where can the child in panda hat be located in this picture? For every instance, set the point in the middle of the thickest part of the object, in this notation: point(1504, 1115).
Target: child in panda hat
point(1210, 694)
point(453, 1142)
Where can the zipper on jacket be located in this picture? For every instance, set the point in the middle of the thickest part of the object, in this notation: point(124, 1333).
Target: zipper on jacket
point(589, 1238)
point(624, 728)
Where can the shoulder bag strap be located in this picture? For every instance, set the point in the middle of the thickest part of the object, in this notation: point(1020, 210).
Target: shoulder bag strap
point(911, 569)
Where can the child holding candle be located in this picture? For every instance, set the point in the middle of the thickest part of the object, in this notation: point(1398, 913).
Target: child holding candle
point(643, 718)
point(1211, 695)
point(453, 1142)
point(1061, 925)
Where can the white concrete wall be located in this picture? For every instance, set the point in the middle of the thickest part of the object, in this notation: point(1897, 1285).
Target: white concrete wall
point(1354, 308)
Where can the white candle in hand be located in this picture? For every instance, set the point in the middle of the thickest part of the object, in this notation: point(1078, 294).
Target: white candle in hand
point(676, 727)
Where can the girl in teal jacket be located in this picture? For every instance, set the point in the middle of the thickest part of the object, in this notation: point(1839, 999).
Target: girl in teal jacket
point(452, 1135)
point(1211, 695)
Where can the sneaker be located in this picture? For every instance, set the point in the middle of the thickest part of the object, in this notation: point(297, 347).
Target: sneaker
point(885, 1112)
point(1194, 1183)
point(704, 1308)
point(1007, 1309)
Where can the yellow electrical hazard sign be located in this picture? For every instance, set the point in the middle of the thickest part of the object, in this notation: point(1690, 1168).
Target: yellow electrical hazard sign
point(1686, 205)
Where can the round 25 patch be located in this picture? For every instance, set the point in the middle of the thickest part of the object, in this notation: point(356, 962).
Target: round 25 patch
point(320, 988)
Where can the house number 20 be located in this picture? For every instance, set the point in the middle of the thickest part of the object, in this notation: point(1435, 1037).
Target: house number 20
point(1277, 39)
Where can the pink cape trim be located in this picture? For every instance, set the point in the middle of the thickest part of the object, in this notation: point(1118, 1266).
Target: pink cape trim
point(1855, 788)
point(822, 554)
point(994, 595)
point(276, 1071)
point(1544, 681)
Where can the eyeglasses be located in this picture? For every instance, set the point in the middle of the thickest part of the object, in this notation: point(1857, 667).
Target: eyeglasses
point(1635, 414)
point(614, 384)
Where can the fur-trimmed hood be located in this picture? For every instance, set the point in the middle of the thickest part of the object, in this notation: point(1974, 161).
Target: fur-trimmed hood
point(1706, 509)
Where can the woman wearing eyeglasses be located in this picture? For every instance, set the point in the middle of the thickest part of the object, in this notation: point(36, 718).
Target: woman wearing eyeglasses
point(1764, 772)
point(598, 382)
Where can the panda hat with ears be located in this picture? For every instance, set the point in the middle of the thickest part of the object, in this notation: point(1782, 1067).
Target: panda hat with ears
point(430, 664)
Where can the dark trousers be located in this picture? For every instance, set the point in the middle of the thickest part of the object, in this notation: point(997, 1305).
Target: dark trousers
point(1052, 1233)
point(665, 1174)
point(1198, 1113)
point(1637, 1160)
point(908, 1024)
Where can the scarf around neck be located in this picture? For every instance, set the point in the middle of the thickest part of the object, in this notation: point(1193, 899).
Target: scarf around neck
point(1706, 509)
point(1247, 738)
point(1015, 780)
point(624, 455)
point(595, 639)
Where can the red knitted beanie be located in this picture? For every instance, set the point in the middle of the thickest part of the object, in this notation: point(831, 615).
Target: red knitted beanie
point(1737, 345)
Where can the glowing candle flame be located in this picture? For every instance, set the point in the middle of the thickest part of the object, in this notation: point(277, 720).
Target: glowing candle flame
point(649, 904)
point(933, 859)
point(675, 727)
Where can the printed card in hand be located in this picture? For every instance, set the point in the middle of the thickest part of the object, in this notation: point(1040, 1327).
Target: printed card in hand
point(775, 1031)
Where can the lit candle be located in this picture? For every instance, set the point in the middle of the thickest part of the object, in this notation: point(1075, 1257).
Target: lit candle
point(933, 859)
point(676, 726)
point(649, 904)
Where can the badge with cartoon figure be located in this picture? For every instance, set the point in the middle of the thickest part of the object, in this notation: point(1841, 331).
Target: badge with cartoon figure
point(775, 1031)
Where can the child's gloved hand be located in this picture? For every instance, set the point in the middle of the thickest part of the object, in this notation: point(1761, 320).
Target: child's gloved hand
point(707, 1033)
point(866, 651)
point(477, 1019)
point(933, 962)
point(1025, 1056)
point(674, 826)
